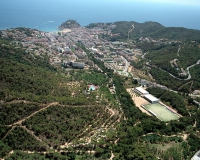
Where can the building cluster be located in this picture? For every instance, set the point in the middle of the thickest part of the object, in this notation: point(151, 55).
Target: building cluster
point(146, 83)
point(117, 55)
point(60, 46)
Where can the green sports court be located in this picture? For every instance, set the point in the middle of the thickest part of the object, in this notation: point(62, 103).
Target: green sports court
point(161, 112)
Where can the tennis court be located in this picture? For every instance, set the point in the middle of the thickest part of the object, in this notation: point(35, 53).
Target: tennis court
point(161, 112)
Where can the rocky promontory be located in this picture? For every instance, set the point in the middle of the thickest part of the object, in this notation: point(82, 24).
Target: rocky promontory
point(69, 24)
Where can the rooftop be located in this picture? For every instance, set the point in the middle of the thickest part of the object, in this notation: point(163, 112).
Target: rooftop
point(196, 156)
point(142, 90)
point(151, 97)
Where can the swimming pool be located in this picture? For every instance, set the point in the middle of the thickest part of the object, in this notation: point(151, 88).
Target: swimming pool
point(92, 87)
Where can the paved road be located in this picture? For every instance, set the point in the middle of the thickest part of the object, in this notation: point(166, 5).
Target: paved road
point(187, 69)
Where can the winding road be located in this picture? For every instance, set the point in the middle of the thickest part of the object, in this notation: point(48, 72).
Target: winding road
point(187, 69)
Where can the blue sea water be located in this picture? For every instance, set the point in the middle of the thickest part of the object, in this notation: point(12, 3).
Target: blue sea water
point(47, 15)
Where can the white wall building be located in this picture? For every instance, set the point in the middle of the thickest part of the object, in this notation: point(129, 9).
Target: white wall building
point(196, 156)
point(151, 98)
point(141, 91)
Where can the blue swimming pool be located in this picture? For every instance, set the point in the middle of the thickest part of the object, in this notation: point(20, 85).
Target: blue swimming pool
point(92, 87)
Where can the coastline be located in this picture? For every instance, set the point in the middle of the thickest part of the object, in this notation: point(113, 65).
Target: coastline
point(46, 29)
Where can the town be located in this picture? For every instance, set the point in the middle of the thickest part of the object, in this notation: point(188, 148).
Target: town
point(63, 49)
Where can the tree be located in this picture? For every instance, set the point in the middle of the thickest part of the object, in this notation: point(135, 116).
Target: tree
point(4, 149)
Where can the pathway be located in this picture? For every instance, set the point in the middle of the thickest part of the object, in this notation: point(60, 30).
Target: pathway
point(22, 120)
point(130, 30)
point(112, 156)
point(178, 50)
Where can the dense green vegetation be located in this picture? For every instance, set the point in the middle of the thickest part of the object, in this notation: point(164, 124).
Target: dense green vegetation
point(99, 25)
point(92, 78)
point(19, 139)
point(162, 57)
point(24, 75)
point(149, 46)
point(153, 30)
point(165, 79)
point(172, 58)
point(195, 73)
point(16, 111)
point(54, 155)
point(59, 124)
point(175, 152)
point(189, 54)
point(147, 29)
point(197, 119)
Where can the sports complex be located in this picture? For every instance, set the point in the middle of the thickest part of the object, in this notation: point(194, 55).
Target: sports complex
point(154, 106)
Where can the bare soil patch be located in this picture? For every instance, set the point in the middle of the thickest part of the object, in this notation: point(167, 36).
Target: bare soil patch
point(139, 101)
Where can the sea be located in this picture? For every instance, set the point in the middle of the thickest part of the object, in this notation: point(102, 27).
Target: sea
point(47, 15)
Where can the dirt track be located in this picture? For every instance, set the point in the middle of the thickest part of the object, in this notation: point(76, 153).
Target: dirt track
point(20, 121)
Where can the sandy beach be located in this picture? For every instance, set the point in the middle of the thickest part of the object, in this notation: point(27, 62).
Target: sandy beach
point(65, 30)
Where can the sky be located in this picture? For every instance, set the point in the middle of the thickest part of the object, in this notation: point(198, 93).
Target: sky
point(180, 2)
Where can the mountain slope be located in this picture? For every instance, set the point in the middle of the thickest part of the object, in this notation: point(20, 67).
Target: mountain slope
point(151, 29)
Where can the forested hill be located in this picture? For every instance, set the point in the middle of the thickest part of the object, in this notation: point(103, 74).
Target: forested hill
point(152, 29)
point(69, 24)
point(23, 74)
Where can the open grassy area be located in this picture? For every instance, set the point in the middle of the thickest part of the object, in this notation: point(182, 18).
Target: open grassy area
point(161, 112)
point(165, 146)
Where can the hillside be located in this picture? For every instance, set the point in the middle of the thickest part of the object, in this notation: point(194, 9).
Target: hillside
point(155, 31)
point(39, 106)
point(148, 29)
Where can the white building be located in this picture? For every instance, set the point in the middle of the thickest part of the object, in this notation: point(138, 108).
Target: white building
point(151, 98)
point(141, 91)
point(196, 156)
